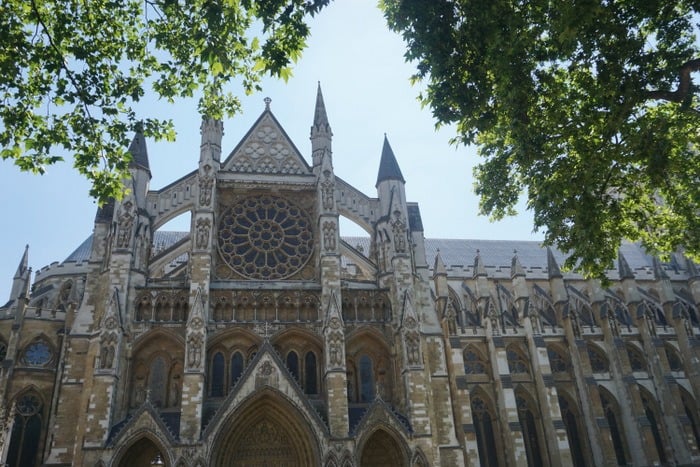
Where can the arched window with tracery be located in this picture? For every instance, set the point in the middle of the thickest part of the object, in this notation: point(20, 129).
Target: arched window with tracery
point(530, 434)
point(157, 382)
point(293, 364)
point(367, 390)
point(485, 436)
point(216, 388)
point(611, 414)
point(674, 359)
point(310, 373)
point(236, 367)
point(693, 413)
point(636, 358)
point(558, 362)
point(517, 362)
point(573, 432)
point(26, 431)
point(599, 362)
point(473, 363)
point(652, 414)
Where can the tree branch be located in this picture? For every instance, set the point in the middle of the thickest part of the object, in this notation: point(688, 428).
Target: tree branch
point(681, 93)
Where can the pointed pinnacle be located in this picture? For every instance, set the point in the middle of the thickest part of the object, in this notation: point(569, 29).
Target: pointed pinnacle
point(388, 166)
point(552, 266)
point(623, 268)
point(320, 116)
point(23, 263)
point(479, 269)
point(659, 272)
point(516, 269)
point(139, 153)
point(439, 268)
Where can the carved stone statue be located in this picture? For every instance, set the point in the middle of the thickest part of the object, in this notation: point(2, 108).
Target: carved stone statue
point(194, 351)
point(412, 348)
point(202, 237)
point(329, 236)
point(327, 188)
point(205, 187)
point(398, 228)
point(126, 222)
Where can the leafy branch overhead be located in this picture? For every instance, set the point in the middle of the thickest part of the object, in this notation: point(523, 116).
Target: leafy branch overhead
point(72, 71)
point(591, 108)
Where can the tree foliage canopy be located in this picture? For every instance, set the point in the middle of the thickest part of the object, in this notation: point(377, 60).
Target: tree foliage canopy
point(71, 71)
point(588, 106)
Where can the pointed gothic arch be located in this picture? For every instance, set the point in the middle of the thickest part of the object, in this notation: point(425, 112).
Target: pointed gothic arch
point(486, 427)
point(142, 449)
point(265, 430)
point(613, 416)
point(382, 447)
point(529, 416)
point(28, 429)
point(573, 423)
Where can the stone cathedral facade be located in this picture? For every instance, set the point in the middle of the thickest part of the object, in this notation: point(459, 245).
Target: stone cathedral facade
point(264, 337)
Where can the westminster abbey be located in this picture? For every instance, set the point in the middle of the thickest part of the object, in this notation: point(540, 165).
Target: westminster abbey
point(265, 337)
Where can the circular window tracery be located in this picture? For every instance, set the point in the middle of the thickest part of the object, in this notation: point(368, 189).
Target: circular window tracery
point(265, 237)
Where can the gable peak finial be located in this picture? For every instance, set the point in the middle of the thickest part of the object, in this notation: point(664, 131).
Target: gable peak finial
point(267, 102)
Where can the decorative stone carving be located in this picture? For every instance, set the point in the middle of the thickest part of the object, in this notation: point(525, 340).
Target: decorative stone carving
point(206, 182)
point(107, 351)
point(266, 375)
point(125, 225)
point(329, 242)
point(398, 228)
point(265, 237)
point(267, 150)
point(327, 191)
point(335, 349)
point(202, 237)
point(412, 340)
point(194, 351)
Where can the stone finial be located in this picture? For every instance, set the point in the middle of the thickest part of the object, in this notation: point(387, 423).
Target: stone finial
point(623, 267)
point(516, 269)
point(659, 273)
point(552, 267)
point(439, 268)
point(479, 269)
point(139, 152)
point(267, 102)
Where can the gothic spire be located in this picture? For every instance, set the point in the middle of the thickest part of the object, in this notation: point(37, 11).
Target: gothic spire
point(439, 267)
point(320, 116)
point(139, 153)
point(388, 166)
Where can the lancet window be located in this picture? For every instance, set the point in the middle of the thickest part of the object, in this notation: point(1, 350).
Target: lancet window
point(26, 431)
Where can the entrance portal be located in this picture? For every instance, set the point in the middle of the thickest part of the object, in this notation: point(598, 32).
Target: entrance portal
point(268, 432)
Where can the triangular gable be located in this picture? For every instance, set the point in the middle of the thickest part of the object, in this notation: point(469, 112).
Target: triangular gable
point(266, 371)
point(266, 149)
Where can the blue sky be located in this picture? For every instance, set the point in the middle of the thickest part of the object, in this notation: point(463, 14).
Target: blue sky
point(365, 83)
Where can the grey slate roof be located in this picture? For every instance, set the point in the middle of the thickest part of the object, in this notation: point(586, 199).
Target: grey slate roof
point(456, 254)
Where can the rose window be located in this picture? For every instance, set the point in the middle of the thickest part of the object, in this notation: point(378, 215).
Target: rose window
point(265, 237)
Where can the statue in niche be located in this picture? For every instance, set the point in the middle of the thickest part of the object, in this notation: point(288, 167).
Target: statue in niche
point(107, 356)
point(174, 395)
point(650, 321)
point(139, 391)
point(203, 227)
point(412, 348)
point(194, 351)
point(327, 188)
point(206, 182)
point(335, 351)
point(126, 222)
point(329, 236)
point(398, 228)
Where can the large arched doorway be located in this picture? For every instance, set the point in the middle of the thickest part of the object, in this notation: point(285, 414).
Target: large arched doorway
point(266, 432)
point(143, 453)
point(382, 450)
